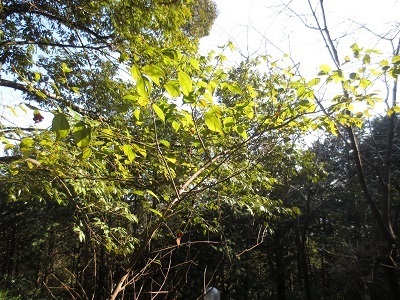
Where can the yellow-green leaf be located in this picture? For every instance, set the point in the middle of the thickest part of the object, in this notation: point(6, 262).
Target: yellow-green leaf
point(154, 72)
point(185, 82)
point(158, 112)
point(60, 126)
point(86, 153)
point(135, 72)
point(172, 88)
point(82, 134)
point(128, 151)
point(65, 68)
point(213, 122)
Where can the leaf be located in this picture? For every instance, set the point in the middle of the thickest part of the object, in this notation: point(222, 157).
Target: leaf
point(156, 212)
point(234, 88)
point(27, 143)
point(170, 159)
point(135, 72)
point(14, 112)
point(136, 113)
point(75, 89)
point(65, 68)
point(240, 130)
point(172, 88)
point(82, 134)
point(228, 122)
point(366, 59)
point(194, 63)
point(128, 151)
point(143, 86)
point(304, 103)
point(325, 69)
point(396, 59)
point(213, 122)
point(8, 146)
point(185, 82)
point(142, 151)
point(171, 53)
point(152, 194)
point(154, 72)
point(176, 125)
point(356, 50)
point(60, 126)
point(158, 112)
point(165, 143)
point(86, 153)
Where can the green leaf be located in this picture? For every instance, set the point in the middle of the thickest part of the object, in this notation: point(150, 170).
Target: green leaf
point(165, 143)
point(143, 86)
point(213, 122)
point(136, 113)
point(86, 153)
point(27, 143)
point(139, 149)
point(240, 130)
point(396, 59)
point(75, 89)
point(135, 72)
point(185, 82)
point(156, 212)
point(60, 126)
point(366, 59)
point(170, 159)
point(171, 53)
point(176, 125)
point(229, 122)
point(325, 69)
point(172, 88)
point(8, 146)
point(356, 50)
point(154, 72)
point(304, 103)
point(128, 151)
point(158, 112)
point(195, 63)
point(65, 68)
point(82, 134)
point(314, 81)
point(152, 194)
point(37, 76)
point(234, 88)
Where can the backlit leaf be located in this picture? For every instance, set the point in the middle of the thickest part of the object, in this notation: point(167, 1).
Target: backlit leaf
point(60, 126)
point(213, 122)
point(158, 112)
point(82, 134)
point(172, 88)
point(128, 151)
point(185, 82)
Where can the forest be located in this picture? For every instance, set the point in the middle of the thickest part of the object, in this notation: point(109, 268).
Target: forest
point(164, 171)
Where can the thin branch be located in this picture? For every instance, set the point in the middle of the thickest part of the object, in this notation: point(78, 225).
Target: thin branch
point(33, 91)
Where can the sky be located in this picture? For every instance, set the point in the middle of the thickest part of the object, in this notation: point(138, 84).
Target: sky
point(267, 27)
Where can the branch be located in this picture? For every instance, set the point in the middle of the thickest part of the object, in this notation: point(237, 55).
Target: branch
point(31, 42)
point(46, 11)
point(33, 91)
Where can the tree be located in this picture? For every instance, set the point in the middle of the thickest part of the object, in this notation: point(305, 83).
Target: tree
point(134, 166)
point(340, 117)
point(43, 41)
